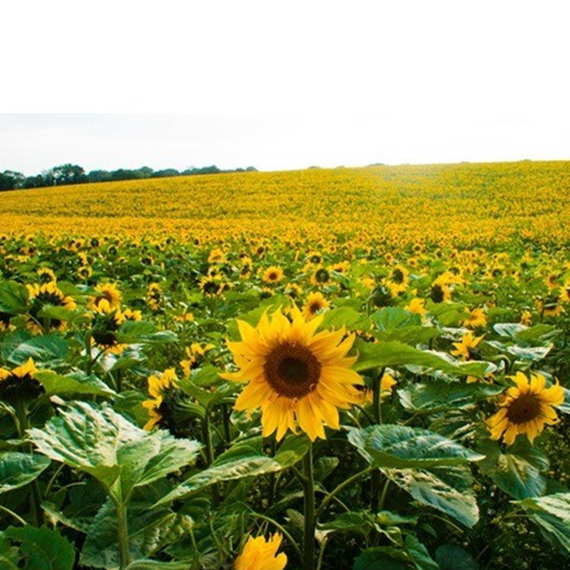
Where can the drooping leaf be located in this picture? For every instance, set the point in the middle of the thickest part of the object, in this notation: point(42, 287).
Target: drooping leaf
point(381, 558)
point(147, 529)
point(453, 557)
point(48, 349)
point(448, 489)
point(243, 459)
point(18, 469)
point(419, 554)
point(552, 515)
point(43, 548)
point(436, 395)
point(104, 444)
point(402, 446)
point(76, 383)
point(518, 470)
point(379, 355)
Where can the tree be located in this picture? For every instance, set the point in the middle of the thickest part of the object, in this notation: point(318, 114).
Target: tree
point(68, 174)
point(10, 180)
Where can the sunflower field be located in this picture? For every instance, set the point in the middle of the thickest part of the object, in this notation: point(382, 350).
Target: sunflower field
point(360, 369)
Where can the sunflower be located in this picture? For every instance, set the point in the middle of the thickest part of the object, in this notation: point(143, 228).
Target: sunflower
point(19, 384)
point(196, 354)
point(466, 349)
point(417, 306)
point(108, 298)
point(157, 388)
point(261, 554)
point(476, 319)
point(526, 408)
point(273, 275)
point(314, 304)
point(211, 286)
point(42, 296)
point(295, 376)
point(154, 297)
point(46, 275)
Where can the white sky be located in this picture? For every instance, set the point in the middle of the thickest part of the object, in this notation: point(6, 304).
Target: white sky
point(282, 84)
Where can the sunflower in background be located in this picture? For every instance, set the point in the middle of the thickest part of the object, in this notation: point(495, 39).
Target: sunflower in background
point(315, 304)
point(296, 376)
point(43, 296)
point(467, 348)
point(108, 298)
point(158, 388)
point(526, 408)
point(261, 554)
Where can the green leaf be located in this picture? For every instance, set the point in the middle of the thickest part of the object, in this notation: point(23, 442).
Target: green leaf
point(402, 446)
point(345, 317)
point(43, 548)
point(117, 453)
point(509, 330)
point(391, 318)
point(153, 564)
point(379, 355)
point(448, 489)
point(350, 521)
point(552, 515)
point(76, 383)
point(13, 298)
point(243, 459)
point(19, 469)
point(517, 470)
point(147, 530)
point(438, 395)
point(419, 554)
point(448, 314)
point(453, 557)
point(381, 558)
point(46, 349)
point(9, 555)
point(132, 332)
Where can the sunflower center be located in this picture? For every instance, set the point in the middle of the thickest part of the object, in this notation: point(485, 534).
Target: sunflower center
point(292, 371)
point(524, 409)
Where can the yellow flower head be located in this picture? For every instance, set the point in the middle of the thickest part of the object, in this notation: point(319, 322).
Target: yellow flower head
point(526, 408)
point(273, 275)
point(108, 300)
point(466, 348)
point(417, 306)
point(19, 384)
point(261, 554)
point(157, 386)
point(314, 304)
point(476, 319)
point(295, 375)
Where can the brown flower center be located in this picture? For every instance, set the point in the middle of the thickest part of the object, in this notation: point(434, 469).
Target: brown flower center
point(292, 371)
point(524, 409)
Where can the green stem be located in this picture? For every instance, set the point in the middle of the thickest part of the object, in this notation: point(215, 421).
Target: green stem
point(123, 535)
point(17, 517)
point(283, 531)
point(309, 511)
point(209, 448)
point(377, 410)
point(322, 553)
point(346, 483)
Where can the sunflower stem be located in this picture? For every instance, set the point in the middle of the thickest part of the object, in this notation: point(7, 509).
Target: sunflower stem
point(377, 411)
point(123, 534)
point(209, 448)
point(309, 511)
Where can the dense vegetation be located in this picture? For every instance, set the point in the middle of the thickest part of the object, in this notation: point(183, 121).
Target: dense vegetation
point(355, 368)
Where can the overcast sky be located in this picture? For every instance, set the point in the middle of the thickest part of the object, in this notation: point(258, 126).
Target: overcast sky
point(282, 85)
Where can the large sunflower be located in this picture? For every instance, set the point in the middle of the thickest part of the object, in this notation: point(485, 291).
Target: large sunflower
point(295, 375)
point(526, 408)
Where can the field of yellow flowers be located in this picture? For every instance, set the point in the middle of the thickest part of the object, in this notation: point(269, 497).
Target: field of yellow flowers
point(360, 368)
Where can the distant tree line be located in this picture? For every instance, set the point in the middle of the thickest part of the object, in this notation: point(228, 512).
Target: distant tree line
point(74, 174)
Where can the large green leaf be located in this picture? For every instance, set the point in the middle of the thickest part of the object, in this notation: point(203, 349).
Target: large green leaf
point(42, 548)
point(9, 555)
point(518, 470)
point(448, 489)
point(345, 317)
point(13, 297)
point(419, 554)
point(76, 383)
point(49, 349)
point(552, 515)
point(453, 557)
point(436, 395)
point(403, 446)
point(382, 558)
point(382, 354)
point(243, 459)
point(145, 332)
point(148, 529)
point(19, 469)
point(117, 453)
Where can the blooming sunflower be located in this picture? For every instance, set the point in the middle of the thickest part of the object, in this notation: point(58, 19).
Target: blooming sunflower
point(526, 408)
point(466, 349)
point(42, 296)
point(273, 275)
point(261, 554)
point(108, 298)
point(314, 304)
point(19, 384)
point(157, 386)
point(476, 319)
point(417, 306)
point(295, 375)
